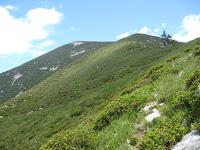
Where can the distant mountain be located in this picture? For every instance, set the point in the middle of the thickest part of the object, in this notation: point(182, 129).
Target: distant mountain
point(75, 95)
point(15, 81)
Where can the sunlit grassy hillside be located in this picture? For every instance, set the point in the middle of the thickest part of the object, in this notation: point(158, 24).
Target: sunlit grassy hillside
point(152, 113)
point(79, 92)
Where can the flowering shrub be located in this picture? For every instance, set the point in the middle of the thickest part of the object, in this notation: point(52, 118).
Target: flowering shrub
point(163, 135)
point(115, 109)
point(155, 73)
point(193, 80)
point(71, 140)
point(197, 51)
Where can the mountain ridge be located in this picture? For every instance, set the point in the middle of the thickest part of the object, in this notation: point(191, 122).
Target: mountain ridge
point(158, 110)
point(76, 92)
point(13, 82)
point(25, 76)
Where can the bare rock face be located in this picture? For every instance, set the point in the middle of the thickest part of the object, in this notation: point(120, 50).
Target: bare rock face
point(190, 141)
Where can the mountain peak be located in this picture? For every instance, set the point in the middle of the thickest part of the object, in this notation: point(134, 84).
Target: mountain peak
point(149, 40)
point(140, 36)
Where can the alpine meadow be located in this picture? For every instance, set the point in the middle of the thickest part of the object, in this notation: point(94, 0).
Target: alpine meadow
point(140, 91)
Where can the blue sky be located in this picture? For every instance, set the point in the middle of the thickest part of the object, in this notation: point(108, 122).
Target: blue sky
point(31, 28)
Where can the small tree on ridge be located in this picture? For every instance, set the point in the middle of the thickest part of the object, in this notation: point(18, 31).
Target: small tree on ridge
point(166, 38)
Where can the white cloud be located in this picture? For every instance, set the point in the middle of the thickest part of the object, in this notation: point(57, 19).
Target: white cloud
point(46, 44)
point(190, 28)
point(146, 30)
point(3, 57)
point(156, 30)
point(18, 34)
point(123, 35)
point(143, 30)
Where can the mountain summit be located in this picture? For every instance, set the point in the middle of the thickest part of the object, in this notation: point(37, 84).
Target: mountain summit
point(94, 95)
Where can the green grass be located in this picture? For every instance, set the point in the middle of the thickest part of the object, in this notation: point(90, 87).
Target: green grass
point(80, 96)
point(175, 81)
point(33, 75)
point(116, 135)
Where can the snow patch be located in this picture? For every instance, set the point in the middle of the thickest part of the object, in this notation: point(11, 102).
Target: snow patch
point(199, 87)
point(13, 105)
point(148, 41)
point(153, 115)
point(16, 77)
point(149, 106)
point(20, 92)
point(43, 68)
point(2, 91)
point(54, 68)
point(5, 106)
point(128, 142)
point(190, 141)
point(77, 43)
point(198, 91)
point(30, 112)
point(162, 46)
point(180, 73)
point(77, 53)
point(155, 95)
point(161, 104)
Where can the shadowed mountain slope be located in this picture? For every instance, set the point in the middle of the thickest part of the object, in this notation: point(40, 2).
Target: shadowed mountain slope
point(16, 81)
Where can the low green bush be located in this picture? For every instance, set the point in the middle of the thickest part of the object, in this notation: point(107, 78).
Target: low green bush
point(155, 73)
point(196, 125)
point(76, 113)
point(136, 85)
point(133, 140)
point(163, 135)
point(188, 101)
point(197, 53)
point(193, 80)
point(172, 59)
point(182, 101)
point(117, 108)
point(187, 50)
point(79, 139)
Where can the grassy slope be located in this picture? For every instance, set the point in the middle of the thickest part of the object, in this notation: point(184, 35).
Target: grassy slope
point(168, 84)
point(77, 92)
point(32, 74)
point(174, 82)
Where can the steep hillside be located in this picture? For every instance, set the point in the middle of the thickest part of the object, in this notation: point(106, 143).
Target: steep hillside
point(16, 81)
point(153, 112)
point(78, 92)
